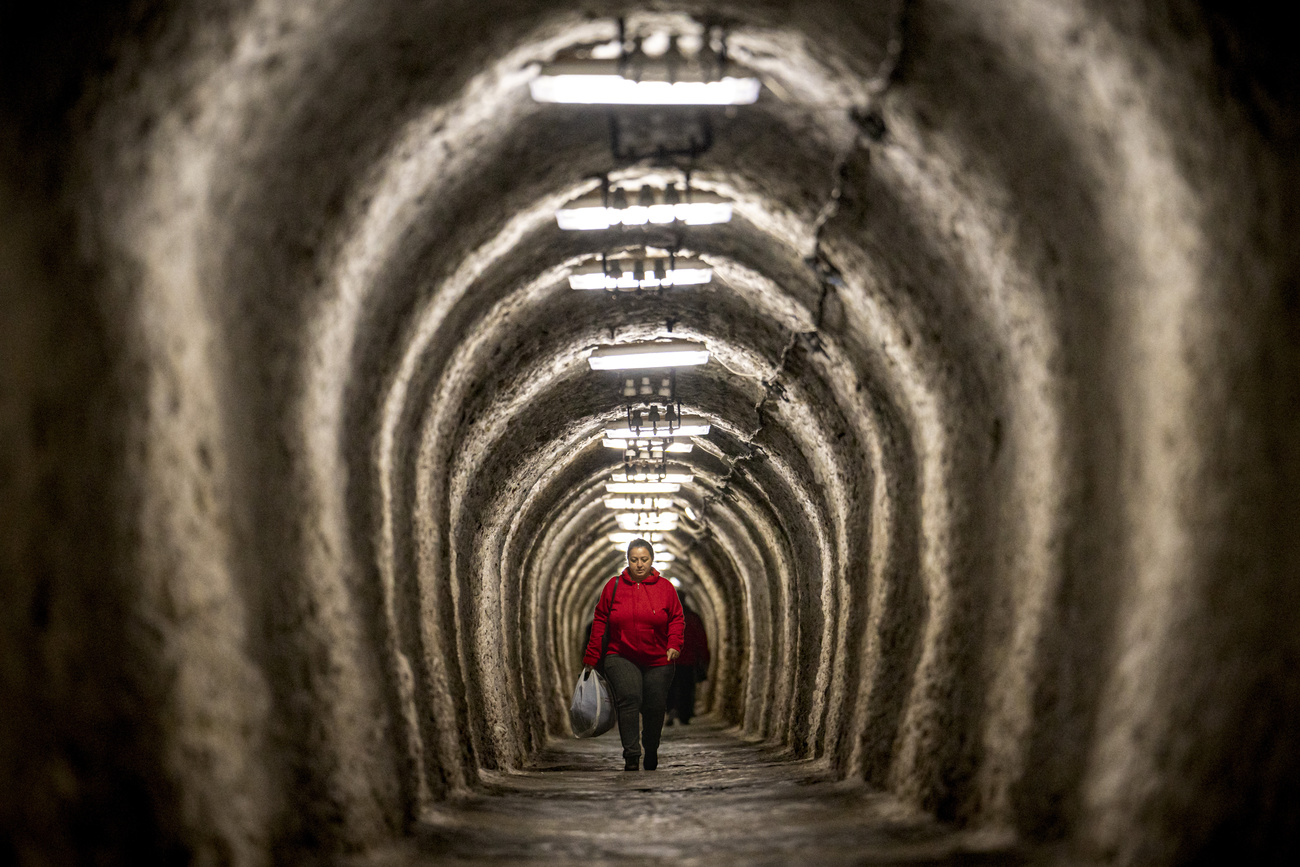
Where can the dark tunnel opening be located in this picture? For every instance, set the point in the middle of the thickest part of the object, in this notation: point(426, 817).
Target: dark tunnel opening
point(303, 461)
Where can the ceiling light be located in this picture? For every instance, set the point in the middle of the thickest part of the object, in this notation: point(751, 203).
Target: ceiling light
point(647, 526)
point(601, 82)
point(644, 520)
point(675, 582)
point(654, 455)
point(585, 214)
point(585, 277)
point(674, 478)
point(596, 210)
point(672, 447)
point(690, 513)
point(622, 517)
point(628, 538)
point(704, 211)
point(648, 354)
point(643, 487)
point(647, 520)
point(638, 503)
point(648, 272)
point(687, 426)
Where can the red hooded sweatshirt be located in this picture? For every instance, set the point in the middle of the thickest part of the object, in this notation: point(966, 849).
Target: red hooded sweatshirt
point(646, 621)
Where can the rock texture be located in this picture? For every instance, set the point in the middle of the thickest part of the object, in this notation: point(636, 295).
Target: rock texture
point(712, 800)
point(300, 463)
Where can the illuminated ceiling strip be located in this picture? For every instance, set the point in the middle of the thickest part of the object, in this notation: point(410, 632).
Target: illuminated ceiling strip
point(651, 530)
point(589, 212)
point(649, 355)
point(648, 527)
point(688, 426)
point(578, 218)
point(639, 503)
point(621, 273)
point(678, 478)
point(674, 447)
point(643, 487)
point(645, 516)
point(625, 538)
point(599, 82)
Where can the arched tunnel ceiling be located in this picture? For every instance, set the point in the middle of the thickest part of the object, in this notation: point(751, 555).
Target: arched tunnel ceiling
point(981, 331)
point(403, 278)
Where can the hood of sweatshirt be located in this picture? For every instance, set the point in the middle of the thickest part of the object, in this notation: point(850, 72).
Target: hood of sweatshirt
point(649, 579)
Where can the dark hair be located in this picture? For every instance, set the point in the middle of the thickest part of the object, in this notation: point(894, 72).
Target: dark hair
point(640, 543)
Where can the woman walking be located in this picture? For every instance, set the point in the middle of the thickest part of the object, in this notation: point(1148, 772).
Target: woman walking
point(643, 617)
point(692, 666)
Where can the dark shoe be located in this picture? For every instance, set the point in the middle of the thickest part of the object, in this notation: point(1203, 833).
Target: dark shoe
point(631, 764)
point(651, 761)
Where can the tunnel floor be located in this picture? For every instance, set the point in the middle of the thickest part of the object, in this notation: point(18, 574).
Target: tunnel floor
point(715, 799)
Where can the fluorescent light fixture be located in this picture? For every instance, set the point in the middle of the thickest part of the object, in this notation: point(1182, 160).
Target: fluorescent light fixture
point(638, 503)
point(686, 426)
point(646, 529)
point(628, 274)
point(628, 538)
point(704, 211)
point(650, 529)
point(677, 478)
point(673, 447)
point(654, 206)
point(642, 487)
point(635, 517)
point(675, 582)
point(649, 354)
point(585, 215)
point(690, 513)
point(689, 272)
point(600, 82)
point(640, 522)
point(588, 277)
point(648, 526)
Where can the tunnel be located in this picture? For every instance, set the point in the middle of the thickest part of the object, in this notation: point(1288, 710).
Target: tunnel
point(994, 527)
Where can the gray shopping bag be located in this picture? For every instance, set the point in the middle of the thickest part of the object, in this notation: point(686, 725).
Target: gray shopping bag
point(592, 712)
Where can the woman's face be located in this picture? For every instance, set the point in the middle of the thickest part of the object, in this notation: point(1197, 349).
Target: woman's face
point(639, 561)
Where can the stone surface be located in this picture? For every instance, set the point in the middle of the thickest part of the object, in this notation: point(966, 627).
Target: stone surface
point(715, 799)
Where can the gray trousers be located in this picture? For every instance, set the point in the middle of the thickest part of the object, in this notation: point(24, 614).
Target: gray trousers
point(641, 696)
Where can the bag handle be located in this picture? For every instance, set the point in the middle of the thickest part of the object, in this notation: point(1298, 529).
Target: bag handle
point(604, 639)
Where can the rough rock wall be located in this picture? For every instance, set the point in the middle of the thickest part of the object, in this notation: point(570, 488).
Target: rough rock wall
point(301, 455)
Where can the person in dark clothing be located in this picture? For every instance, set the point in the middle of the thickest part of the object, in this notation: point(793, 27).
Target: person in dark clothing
point(644, 621)
point(692, 667)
